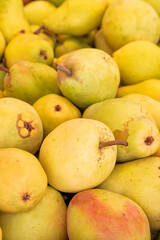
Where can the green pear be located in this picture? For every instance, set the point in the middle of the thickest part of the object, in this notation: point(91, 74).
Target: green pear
point(138, 61)
point(97, 214)
point(57, 3)
point(100, 42)
point(155, 4)
point(72, 166)
point(76, 17)
point(29, 47)
point(2, 76)
point(36, 11)
point(2, 45)
point(12, 19)
point(45, 221)
point(150, 88)
point(139, 180)
point(129, 121)
point(92, 76)
point(20, 125)
point(53, 110)
point(129, 20)
point(29, 81)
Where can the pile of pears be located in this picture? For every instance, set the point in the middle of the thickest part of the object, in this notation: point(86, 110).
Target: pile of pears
point(80, 120)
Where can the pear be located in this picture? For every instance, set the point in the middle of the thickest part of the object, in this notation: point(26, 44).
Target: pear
point(155, 4)
point(54, 110)
point(36, 11)
point(129, 121)
point(89, 38)
point(20, 125)
point(29, 47)
point(87, 76)
point(45, 221)
point(150, 88)
point(12, 19)
point(69, 45)
point(29, 81)
point(100, 43)
point(2, 45)
point(76, 17)
point(143, 23)
point(97, 214)
point(23, 180)
point(2, 76)
point(57, 3)
point(72, 166)
point(139, 180)
point(138, 61)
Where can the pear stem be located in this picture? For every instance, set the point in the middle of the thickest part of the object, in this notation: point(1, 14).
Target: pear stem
point(4, 69)
point(48, 32)
point(63, 69)
point(111, 143)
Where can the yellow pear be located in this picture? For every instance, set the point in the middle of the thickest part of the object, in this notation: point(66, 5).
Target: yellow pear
point(155, 4)
point(138, 61)
point(100, 42)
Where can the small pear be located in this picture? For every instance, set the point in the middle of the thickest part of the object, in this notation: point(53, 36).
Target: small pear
point(129, 121)
point(28, 81)
point(12, 19)
point(29, 47)
point(87, 76)
point(150, 88)
point(47, 220)
point(76, 17)
point(143, 23)
point(140, 181)
point(72, 166)
point(138, 61)
point(36, 11)
point(54, 110)
point(100, 43)
point(23, 180)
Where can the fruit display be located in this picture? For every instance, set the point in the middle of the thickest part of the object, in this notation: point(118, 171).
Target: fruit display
point(79, 120)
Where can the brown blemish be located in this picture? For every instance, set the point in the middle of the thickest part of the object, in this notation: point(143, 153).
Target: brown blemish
point(22, 31)
point(27, 126)
point(158, 167)
point(58, 108)
point(121, 135)
point(26, 196)
point(149, 140)
point(43, 53)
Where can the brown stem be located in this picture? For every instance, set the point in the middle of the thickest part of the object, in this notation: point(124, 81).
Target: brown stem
point(63, 69)
point(38, 30)
point(111, 143)
point(4, 69)
point(48, 32)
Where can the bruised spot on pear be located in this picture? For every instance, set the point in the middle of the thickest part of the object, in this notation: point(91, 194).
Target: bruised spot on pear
point(58, 108)
point(43, 53)
point(25, 124)
point(149, 140)
point(122, 135)
point(22, 31)
point(26, 196)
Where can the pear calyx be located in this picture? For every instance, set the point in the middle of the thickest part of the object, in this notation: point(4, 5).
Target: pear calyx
point(48, 32)
point(63, 69)
point(149, 140)
point(111, 143)
point(4, 69)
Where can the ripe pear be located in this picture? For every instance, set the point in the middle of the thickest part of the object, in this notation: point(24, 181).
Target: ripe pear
point(97, 214)
point(138, 61)
point(143, 23)
point(23, 180)
point(47, 220)
point(129, 121)
point(29, 47)
point(155, 4)
point(12, 19)
point(100, 42)
point(76, 17)
point(150, 88)
point(20, 125)
point(72, 166)
point(140, 181)
point(54, 110)
point(36, 11)
point(2, 45)
point(28, 81)
point(68, 45)
point(92, 76)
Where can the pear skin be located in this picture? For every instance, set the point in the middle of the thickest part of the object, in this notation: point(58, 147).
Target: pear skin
point(155, 4)
point(64, 156)
point(150, 88)
point(138, 61)
point(129, 121)
point(47, 220)
point(28, 81)
point(23, 180)
point(36, 11)
point(99, 214)
point(20, 125)
point(54, 110)
point(12, 19)
point(100, 43)
point(2, 45)
point(143, 23)
point(2, 76)
point(138, 180)
point(76, 17)
point(29, 47)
